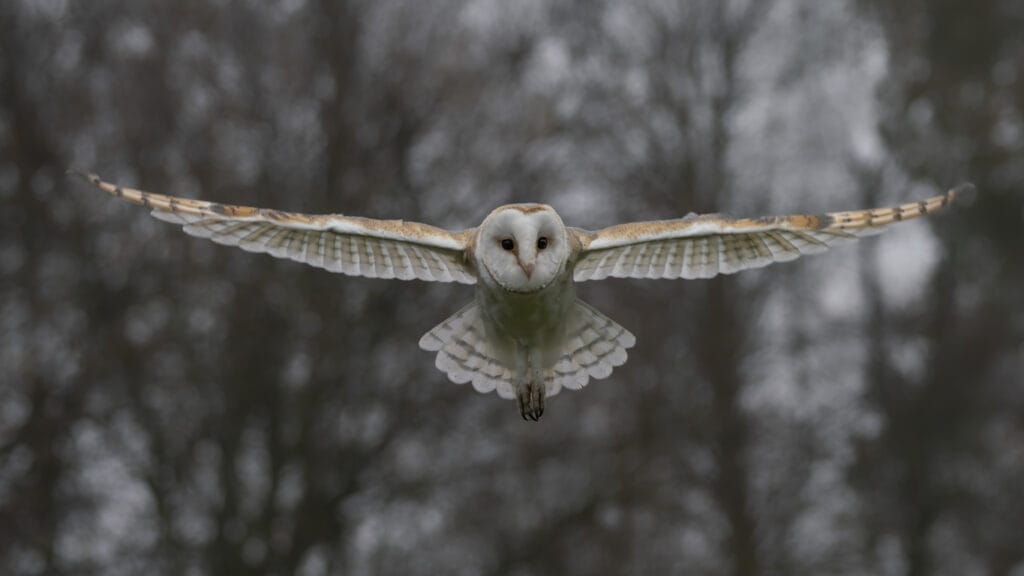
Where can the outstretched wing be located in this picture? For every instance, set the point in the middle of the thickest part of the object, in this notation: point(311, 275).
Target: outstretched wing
point(353, 246)
point(704, 246)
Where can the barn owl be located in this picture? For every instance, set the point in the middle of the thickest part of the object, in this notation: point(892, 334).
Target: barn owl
point(525, 335)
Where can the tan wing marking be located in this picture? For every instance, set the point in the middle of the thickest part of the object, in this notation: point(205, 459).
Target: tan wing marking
point(636, 232)
point(351, 245)
point(704, 246)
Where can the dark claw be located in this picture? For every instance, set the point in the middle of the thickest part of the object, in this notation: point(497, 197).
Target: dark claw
point(531, 402)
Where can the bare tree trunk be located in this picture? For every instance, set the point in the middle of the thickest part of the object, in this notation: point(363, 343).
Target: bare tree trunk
point(725, 327)
point(721, 352)
point(32, 519)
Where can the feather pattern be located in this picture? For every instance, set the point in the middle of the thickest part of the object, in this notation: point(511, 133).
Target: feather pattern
point(464, 353)
point(705, 246)
point(349, 245)
point(593, 346)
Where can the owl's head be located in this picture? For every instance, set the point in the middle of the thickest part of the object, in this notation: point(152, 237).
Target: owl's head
point(523, 247)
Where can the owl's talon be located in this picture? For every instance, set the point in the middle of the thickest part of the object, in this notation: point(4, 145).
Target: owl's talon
point(531, 401)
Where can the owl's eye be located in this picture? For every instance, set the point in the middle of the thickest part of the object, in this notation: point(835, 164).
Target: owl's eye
point(508, 244)
point(542, 243)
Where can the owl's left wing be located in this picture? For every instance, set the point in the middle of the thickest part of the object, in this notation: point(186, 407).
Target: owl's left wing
point(346, 244)
point(708, 245)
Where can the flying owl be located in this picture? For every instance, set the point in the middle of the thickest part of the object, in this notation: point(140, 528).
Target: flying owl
point(525, 335)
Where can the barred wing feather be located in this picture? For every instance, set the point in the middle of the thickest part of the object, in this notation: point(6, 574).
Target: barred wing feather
point(705, 246)
point(345, 244)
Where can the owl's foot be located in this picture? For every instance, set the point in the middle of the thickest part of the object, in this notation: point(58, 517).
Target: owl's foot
point(531, 400)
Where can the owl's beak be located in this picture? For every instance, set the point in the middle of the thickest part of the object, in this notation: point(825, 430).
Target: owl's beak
point(526, 268)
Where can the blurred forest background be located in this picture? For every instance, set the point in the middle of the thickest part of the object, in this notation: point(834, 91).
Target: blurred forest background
point(170, 406)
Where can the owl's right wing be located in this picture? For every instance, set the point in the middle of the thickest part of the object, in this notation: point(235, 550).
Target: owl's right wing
point(712, 244)
point(350, 245)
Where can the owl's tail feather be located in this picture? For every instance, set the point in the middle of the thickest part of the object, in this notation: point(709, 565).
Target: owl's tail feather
point(594, 345)
point(464, 354)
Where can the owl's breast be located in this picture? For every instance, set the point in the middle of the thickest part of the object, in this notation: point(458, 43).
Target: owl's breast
point(530, 319)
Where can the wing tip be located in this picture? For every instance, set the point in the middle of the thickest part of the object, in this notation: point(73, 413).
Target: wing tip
point(90, 177)
point(112, 189)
